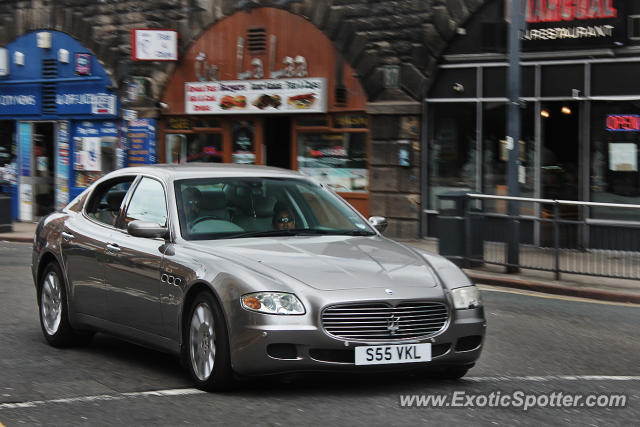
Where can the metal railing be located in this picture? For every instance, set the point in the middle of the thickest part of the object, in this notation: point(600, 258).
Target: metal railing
point(558, 236)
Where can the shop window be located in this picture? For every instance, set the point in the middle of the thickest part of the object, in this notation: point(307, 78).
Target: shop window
point(194, 147)
point(176, 146)
point(561, 80)
point(615, 78)
point(495, 156)
point(615, 158)
point(452, 164)
point(7, 152)
point(243, 133)
point(334, 158)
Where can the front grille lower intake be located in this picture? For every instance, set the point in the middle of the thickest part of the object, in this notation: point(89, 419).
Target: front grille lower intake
point(383, 322)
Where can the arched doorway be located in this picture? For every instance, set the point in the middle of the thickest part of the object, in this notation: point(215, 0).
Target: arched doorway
point(268, 87)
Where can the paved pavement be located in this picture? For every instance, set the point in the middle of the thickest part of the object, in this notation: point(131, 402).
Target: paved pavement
point(571, 285)
point(535, 344)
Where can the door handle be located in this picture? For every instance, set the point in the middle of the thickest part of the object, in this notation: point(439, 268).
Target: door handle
point(67, 236)
point(112, 247)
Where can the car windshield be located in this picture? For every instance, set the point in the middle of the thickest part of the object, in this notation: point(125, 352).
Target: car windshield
point(214, 208)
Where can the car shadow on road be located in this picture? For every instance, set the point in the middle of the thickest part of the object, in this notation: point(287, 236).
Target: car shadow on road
point(128, 367)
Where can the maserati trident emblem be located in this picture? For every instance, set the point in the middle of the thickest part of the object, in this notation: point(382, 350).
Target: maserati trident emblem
point(393, 324)
point(389, 291)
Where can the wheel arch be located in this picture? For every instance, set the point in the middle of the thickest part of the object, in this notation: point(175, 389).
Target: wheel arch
point(192, 292)
point(47, 258)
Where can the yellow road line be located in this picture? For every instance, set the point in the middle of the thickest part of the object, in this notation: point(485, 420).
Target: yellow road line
point(552, 296)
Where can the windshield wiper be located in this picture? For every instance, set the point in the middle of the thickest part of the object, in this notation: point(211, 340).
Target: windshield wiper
point(353, 233)
point(285, 232)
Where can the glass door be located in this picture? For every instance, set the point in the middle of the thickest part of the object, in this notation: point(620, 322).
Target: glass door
point(560, 151)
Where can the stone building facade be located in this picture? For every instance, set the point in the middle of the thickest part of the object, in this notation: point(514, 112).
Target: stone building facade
point(393, 46)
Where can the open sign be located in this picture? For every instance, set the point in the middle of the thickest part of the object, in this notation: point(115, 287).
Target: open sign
point(623, 122)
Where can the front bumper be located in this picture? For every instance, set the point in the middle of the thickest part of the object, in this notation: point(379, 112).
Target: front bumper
point(265, 345)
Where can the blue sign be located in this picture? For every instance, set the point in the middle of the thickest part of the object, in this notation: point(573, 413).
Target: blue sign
point(24, 142)
point(84, 99)
point(141, 137)
point(96, 129)
point(19, 99)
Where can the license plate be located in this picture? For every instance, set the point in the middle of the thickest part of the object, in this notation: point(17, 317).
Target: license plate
point(398, 353)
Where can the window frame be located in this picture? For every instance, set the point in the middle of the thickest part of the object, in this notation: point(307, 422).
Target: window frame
point(89, 199)
point(121, 224)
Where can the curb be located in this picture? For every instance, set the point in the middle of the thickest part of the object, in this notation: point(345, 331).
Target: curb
point(16, 239)
point(549, 288)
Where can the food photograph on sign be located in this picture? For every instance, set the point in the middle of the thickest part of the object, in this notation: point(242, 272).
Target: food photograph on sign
point(256, 96)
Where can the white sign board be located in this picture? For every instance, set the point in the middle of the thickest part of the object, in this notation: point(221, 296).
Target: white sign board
point(623, 157)
point(129, 115)
point(4, 61)
point(103, 104)
point(257, 96)
point(154, 45)
point(26, 203)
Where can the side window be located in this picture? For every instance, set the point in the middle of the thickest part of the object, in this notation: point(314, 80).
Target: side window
point(105, 201)
point(148, 203)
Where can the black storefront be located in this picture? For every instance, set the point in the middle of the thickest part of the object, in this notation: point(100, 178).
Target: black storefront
point(580, 137)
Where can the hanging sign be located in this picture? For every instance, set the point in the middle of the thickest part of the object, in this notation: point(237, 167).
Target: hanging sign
point(256, 96)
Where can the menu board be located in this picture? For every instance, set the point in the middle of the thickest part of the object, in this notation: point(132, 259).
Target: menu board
point(141, 136)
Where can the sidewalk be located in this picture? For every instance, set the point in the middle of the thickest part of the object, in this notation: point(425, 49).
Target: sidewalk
point(598, 288)
point(575, 285)
point(22, 232)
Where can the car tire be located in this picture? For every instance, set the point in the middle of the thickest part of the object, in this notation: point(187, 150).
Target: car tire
point(207, 344)
point(53, 309)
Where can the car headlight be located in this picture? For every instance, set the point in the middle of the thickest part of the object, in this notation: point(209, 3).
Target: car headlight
point(466, 297)
point(272, 303)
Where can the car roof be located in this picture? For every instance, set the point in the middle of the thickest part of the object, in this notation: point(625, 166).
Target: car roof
point(171, 172)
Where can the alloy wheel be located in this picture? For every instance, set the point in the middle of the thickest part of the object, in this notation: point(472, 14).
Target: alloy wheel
point(202, 345)
point(51, 303)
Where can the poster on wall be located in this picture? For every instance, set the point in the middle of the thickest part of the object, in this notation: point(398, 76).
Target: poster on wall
point(141, 141)
point(623, 157)
point(62, 165)
point(256, 96)
point(25, 194)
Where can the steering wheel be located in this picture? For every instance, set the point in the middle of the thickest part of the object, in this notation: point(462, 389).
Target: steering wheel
point(203, 218)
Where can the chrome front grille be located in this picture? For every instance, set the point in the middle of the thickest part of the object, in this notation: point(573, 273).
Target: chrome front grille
point(383, 322)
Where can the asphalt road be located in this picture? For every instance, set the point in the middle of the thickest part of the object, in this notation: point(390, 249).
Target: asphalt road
point(535, 346)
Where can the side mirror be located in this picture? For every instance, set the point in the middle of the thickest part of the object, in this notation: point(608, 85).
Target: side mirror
point(379, 223)
point(147, 229)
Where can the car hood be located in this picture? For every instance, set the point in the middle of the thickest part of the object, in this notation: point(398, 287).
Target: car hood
point(330, 262)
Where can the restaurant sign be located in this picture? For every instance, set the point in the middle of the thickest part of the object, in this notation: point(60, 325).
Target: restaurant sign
point(257, 96)
point(572, 23)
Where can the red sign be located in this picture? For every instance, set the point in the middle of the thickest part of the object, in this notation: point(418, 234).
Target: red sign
point(569, 10)
point(623, 122)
